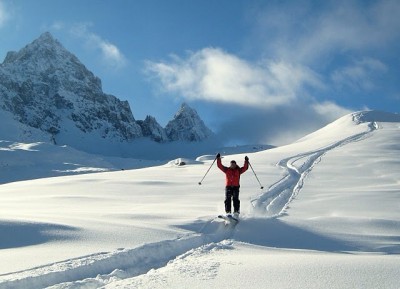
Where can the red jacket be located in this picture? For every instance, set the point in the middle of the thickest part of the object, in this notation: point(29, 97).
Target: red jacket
point(232, 175)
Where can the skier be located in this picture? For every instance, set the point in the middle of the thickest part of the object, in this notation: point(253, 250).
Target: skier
point(232, 173)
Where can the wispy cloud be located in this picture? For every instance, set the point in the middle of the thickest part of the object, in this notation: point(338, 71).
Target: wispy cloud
point(212, 74)
point(4, 15)
point(58, 25)
point(110, 53)
point(329, 110)
point(359, 75)
point(309, 33)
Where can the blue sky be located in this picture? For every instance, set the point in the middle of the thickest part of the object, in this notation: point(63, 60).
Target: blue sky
point(256, 71)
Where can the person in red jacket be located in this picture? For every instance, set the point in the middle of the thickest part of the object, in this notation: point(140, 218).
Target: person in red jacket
point(232, 174)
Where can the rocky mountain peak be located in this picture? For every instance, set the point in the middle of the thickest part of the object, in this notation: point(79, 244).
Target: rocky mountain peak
point(187, 125)
point(185, 111)
point(47, 57)
point(152, 129)
point(45, 47)
point(46, 87)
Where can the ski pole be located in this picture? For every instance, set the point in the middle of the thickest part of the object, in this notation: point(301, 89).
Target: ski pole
point(261, 186)
point(207, 171)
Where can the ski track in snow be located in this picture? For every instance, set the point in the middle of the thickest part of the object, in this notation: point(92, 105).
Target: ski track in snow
point(100, 269)
point(276, 199)
point(93, 271)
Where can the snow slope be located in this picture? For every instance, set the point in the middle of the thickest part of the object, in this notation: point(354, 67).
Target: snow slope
point(328, 218)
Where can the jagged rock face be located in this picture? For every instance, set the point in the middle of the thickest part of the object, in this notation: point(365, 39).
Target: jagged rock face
point(44, 85)
point(187, 126)
point(152, 129)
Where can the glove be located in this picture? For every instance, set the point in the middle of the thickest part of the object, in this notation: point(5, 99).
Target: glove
point(246, 158)
point(218, 155)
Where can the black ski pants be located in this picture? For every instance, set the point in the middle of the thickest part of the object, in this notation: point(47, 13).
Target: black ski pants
point(232, 193)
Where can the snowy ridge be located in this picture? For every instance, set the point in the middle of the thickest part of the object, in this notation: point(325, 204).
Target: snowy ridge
point(375, 116)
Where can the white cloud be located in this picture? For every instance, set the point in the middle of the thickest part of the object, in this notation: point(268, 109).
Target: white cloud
point(110, 53)
point(214, 75)
point(359, 75)
point(58, 25)
point(329, 110)
point(4, 16)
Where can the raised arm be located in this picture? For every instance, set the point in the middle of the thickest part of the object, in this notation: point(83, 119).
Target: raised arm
point(245, 165)
point(219, 164)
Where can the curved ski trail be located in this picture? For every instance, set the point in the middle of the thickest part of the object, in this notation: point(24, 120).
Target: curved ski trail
point(274, 201)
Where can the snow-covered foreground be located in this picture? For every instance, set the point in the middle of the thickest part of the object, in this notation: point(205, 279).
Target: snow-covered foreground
point(329, 217)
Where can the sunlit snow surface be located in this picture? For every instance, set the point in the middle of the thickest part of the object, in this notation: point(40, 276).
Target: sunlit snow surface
point(328, 217)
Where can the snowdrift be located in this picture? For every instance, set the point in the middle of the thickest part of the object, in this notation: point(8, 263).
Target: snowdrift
point(327, 218)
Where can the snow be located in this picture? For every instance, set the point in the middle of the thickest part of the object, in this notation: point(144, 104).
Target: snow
point(24, 161)
point(328, 217)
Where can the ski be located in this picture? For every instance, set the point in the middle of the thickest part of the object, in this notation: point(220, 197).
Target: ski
point(229, 219)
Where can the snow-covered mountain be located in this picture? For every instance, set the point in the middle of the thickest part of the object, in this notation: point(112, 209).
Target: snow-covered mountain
point(46, 87)
point(187, 125)
point(152, 129)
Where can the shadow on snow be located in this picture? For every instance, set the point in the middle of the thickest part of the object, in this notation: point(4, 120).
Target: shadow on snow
point(19, 234)
point(275, 233)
